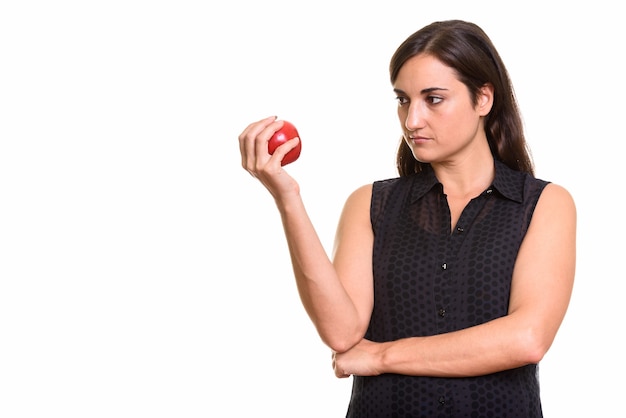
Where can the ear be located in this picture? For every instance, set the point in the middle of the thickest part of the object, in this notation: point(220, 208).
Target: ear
point(485, 99)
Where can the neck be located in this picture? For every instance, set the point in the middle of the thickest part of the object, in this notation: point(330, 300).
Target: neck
point(466, 178)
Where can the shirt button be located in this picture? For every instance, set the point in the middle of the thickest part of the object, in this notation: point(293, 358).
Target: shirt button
point(441, 312)
point(444, 266)
point(459, 229)
point(442, 400)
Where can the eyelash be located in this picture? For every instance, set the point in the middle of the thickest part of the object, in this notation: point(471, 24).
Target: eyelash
point(402, 100)
point(433, 100)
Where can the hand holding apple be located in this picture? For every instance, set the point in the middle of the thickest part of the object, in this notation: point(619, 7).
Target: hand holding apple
point(287, 132)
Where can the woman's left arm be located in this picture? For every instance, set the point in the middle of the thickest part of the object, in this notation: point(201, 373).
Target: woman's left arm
point(541, 288)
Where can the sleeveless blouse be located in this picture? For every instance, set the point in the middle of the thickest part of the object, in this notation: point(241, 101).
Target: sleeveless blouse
point(429, 279)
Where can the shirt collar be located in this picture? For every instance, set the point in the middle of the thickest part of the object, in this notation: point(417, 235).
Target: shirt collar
point(507, 182)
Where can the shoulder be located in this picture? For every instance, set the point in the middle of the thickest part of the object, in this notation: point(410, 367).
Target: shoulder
point(556, 197)
point(376, 194)
point(397, 186)
point(393, 182)
point(356, 211)
point(361, 196)
point(366, 191)
point(556, 207)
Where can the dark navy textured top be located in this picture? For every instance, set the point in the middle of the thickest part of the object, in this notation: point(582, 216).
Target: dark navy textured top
point(429, 279)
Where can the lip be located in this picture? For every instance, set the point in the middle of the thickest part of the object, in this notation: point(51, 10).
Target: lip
point(418, 139)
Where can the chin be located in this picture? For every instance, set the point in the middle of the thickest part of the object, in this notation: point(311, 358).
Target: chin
point(422, 158)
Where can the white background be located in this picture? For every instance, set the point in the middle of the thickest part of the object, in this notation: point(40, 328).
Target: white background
point(143, 273)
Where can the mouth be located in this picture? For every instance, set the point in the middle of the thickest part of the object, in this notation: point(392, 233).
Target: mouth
point(417, 139)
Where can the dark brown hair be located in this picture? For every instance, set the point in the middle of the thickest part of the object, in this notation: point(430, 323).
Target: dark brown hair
point(467, 49)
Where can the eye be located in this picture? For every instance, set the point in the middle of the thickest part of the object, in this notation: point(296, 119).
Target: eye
point(402, 100)
point(434, 99)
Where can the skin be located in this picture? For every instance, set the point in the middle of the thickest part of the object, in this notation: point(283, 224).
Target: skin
point(443, 128)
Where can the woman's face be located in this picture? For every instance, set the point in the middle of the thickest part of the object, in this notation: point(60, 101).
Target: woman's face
point(439, 121)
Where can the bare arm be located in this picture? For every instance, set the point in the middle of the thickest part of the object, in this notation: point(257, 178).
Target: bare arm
point(336, 297)
point(541, 288)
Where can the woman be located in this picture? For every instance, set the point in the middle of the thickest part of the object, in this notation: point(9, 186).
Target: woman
point(447, 284)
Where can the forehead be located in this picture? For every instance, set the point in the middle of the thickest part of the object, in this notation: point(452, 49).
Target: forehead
point(425, 71)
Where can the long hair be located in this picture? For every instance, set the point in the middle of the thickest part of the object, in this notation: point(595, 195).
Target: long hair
point(466, 48)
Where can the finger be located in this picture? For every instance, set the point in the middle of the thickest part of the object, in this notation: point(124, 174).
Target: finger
point(263, 159)
point(247, 140)
point(263, 138)
point(256, 127)
point(282, 150)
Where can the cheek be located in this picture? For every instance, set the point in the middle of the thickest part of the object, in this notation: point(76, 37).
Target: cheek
point(463, 128)
point(455, 118)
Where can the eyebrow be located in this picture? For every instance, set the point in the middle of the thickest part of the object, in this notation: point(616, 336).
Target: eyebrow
point(423, 91)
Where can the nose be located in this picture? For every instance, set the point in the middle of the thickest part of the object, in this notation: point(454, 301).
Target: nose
point(414, 118)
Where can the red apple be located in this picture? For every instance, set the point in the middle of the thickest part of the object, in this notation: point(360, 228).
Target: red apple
point(287, 132)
